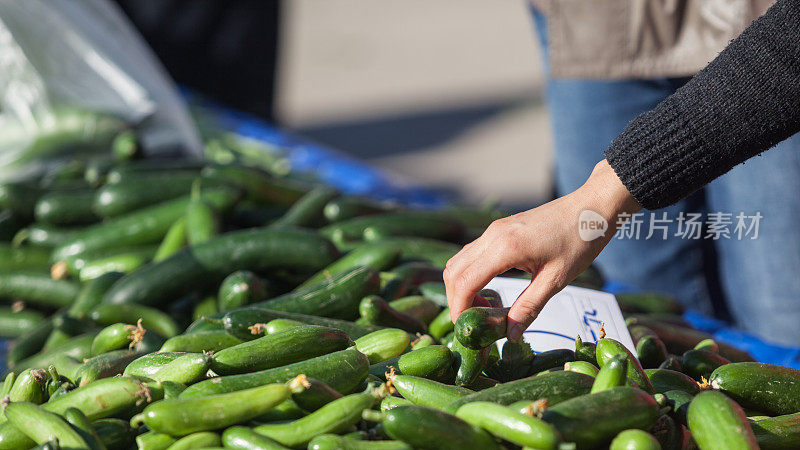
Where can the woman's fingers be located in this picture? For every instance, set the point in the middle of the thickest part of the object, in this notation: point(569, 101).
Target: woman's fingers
point(464, 284)
point(529, 304)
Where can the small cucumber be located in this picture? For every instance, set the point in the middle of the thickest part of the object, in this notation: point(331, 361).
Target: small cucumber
point(510, 425)
point(147, 365)
point(278, 325)
point(307, 210)
point(635, 439)
point(606, 348)
point(590, 420)
point(425, 392)
point(393, 402)
point(113, 337)
point(77, 347)
point(185, 369)
point(154, 441)
point(774, 390)
point(582, 367)
point(680, 401)
point(16, 322)
point(279, 349)
point(336, 442)
point(422, 342)
point(315, 395)
point(377, 256)
point(383, 344)
point(585, 351)
point(244, 438)
point(152, 318)
point(37, 288)
point(667, 380)
point(416, 306)
point(707, 344)
point(613, 374)
point(672, 363)
point(429, 428)
point(202, 341)
point(121, 262)
point(480, 327)
point(103, 366)
point(700, 363)
point(469, 363)
point(343, 371)
point(29, 386)
point(434, 362)
point(441, 324)
point(91, 294)
point(556, 387)
point(174, 240)
point(183, 416)
point(203, 439)
point(114, 433)
point(435, 292)
point(551, 359)
point(651, 351)
point(202, 222)
point(777, 433)
point(83, 426)
point(244, 323)
point(336, 416)
point(717, 422)
point(241, 288)
point(67, 207)
point(376, 311)
point(649, 303)
point(349, 206)
point(42, 426)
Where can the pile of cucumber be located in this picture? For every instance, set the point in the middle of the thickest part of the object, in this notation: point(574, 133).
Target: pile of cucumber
point(178, 304)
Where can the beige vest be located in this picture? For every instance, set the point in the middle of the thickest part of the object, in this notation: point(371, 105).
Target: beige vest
point(641, 38)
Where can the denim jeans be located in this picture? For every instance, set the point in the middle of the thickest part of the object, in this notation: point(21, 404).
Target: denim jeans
point(759, 278)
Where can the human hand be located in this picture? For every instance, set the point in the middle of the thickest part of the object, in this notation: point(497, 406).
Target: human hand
point(544, 242)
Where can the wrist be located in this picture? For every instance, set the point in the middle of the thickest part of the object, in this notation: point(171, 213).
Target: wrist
point(610, 196)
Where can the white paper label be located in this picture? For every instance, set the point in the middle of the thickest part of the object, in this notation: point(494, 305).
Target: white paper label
point(572, 312)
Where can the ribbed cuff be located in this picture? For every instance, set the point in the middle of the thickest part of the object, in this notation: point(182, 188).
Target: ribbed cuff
point(657, 157)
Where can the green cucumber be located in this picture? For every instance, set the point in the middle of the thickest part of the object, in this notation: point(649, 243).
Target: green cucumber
point(16, 322)
point(113, 337)
point(185, 369)
point(211, 261)
point(91, 294)
point(376, 311)
point(336, 416)
point(435, 252)
point(700, 363)
point(680, 404)
point(152, 319)
point(315, 395)
point(707, 344)
point(590, 420)
point(29, 386)
point(585, 351)
point(258, 186)
point(774, 390)
point(200, 440)
point(202, 221)
point(103, 366)
point(68, 207)
point(336, 298)
point(383, 344)
point(422, 342)
point(73, 265)
point(612, 374)
point(416, 306)
point(555, 387)
point(183, 416)
point(28, 344)
point(244, 438)
point(515, 362)
point(434, 362)
point(378, 256)
point(114, 433)
point(206, 307)
point(147, 365)
point(777, 433)
point(136, 193)
point(716, 421)
point(154, 441)
point(479, 327)
point(83, 426)
point(435, 292)
point(245, 322)
point(649, 303)
point(582, 367)
point(279, 349)
point(174, 240)
point(347, 206)
point(393, 402)
point(551, 359)
point(679, 339)
point(343, 371)
point(144, 226)
point(202, 341)
point(441, 324)
point(469, 363)
point(307, 210)
point(77, 347)
point(241, 288)
point(606, 348)
point(672, 363)
point(664, 380)
point(403, 279)
point(429, 428)
point(121, 262)
point(37, 288)
point(278, 325)
point(651, 351)
point(42, 426)
point(336, 442)
point(635, 439)
point(23, 258)
point(509, 425)
point(425, 392)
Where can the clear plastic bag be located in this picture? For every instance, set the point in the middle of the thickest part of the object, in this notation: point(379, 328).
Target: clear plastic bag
point(73, 73)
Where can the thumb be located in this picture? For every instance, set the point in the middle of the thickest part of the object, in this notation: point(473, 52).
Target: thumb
point(528, 305)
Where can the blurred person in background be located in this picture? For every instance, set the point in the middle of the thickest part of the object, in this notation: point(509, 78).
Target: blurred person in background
point(611, 61)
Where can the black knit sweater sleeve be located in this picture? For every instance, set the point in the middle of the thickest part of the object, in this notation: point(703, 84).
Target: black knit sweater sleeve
point(742, 103)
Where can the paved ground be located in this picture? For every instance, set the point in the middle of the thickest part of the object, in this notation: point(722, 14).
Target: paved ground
point(445, 93)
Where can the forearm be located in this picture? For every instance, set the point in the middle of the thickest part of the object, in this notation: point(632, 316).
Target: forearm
point(743, 103)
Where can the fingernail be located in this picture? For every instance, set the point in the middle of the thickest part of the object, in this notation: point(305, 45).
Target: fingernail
point(516, 332)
